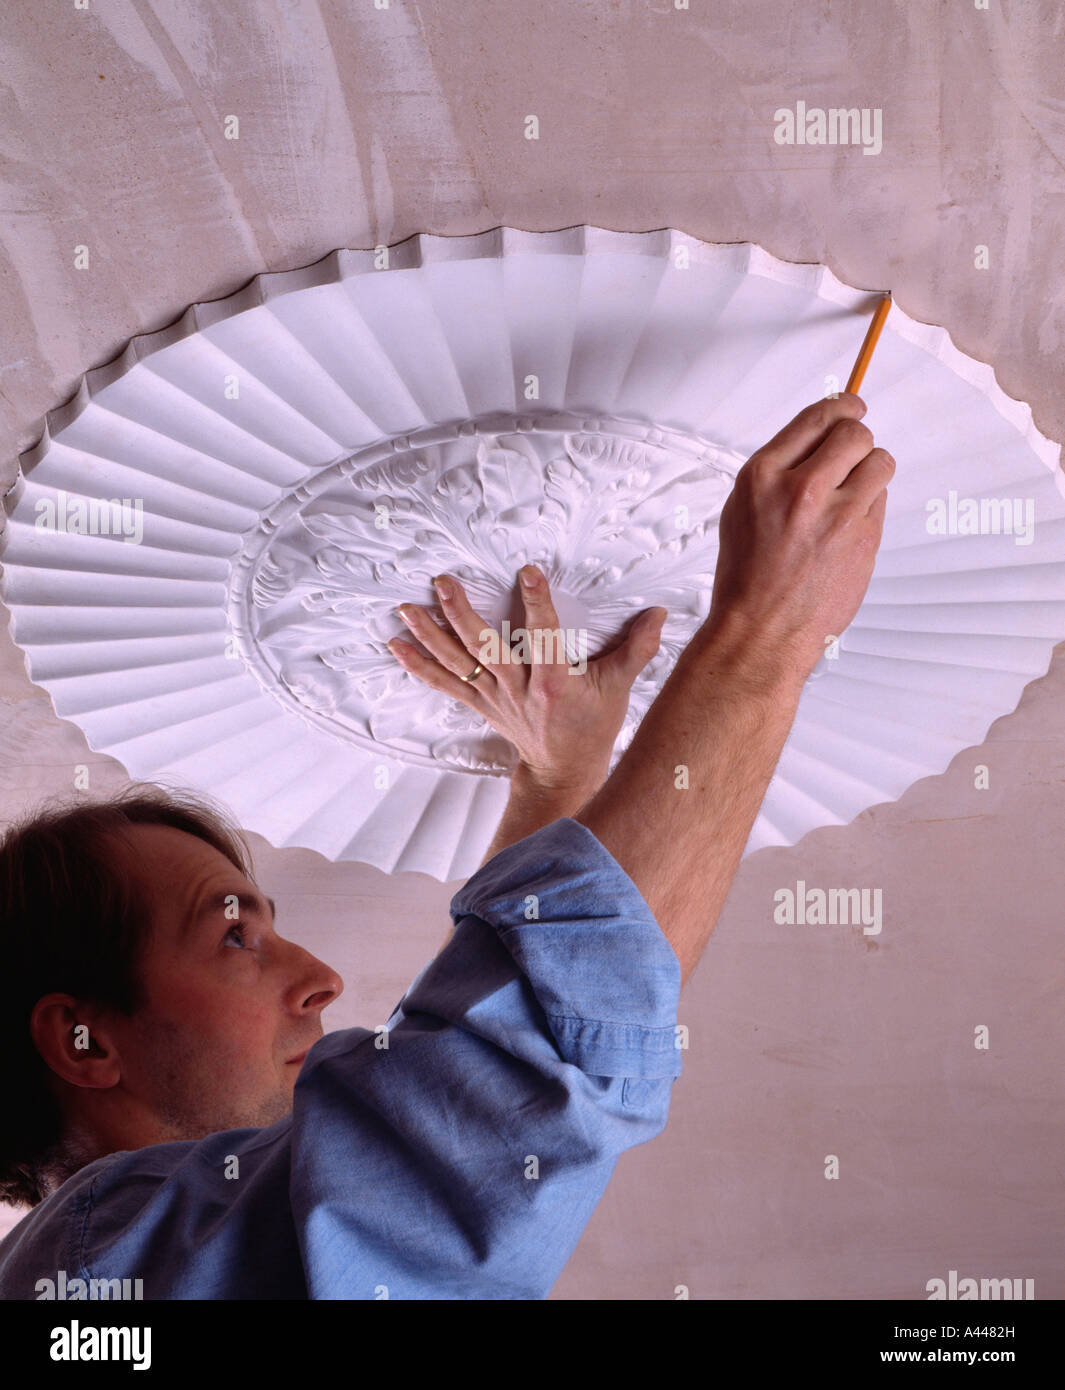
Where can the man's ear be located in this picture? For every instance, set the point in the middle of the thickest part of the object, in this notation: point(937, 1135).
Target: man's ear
point(73, 1039)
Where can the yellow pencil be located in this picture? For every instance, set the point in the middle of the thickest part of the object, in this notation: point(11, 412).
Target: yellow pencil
point(882, 311)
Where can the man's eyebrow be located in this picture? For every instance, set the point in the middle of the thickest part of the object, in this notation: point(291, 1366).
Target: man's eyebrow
point(247, 902)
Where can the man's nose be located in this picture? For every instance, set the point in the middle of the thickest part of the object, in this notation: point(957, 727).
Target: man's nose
point(315, 984)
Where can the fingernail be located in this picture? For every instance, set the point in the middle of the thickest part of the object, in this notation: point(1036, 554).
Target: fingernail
point(443, 586)
point(530, 576)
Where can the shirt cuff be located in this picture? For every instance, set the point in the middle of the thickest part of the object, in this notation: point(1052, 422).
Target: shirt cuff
point(598, 963)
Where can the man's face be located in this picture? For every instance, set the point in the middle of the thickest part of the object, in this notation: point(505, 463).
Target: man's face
point(229, 1004)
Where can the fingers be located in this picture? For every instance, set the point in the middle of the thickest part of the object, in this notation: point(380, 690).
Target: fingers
point(878, 508)
point(549, 663)
point(539, 609)
point(868, 480)
point(449, 659)
point(797, 440)
point(474, 633)
point(437, 677)
point(628, 655)
point(832, 462)
point(456, 657)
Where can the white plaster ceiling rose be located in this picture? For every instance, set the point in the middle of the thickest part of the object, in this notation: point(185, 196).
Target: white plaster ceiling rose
point(204, 553)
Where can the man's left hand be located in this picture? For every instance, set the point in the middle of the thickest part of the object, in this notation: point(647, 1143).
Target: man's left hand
point(563, 724)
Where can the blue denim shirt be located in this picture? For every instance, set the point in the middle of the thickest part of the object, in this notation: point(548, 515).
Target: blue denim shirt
point(462, 1161)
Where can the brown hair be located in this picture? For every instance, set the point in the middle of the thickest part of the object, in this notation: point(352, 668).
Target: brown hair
point(72, 922)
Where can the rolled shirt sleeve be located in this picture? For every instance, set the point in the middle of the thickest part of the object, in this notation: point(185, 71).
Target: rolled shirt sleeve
point(583, 937)
point(532, 1051)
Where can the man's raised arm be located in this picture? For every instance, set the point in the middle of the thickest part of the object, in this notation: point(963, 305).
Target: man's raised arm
point(799, 535)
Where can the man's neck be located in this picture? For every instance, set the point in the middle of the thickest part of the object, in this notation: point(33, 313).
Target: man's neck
point(68, 1157)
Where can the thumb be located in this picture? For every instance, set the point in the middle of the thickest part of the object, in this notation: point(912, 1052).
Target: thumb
point(649, 630)
point(628, 658)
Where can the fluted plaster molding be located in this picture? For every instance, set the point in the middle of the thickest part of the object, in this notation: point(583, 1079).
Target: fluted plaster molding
point(305, 454)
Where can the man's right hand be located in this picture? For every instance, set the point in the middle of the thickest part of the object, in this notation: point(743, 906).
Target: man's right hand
point(799, 534)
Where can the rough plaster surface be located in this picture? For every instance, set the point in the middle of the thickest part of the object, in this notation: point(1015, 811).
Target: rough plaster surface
point(360, 126)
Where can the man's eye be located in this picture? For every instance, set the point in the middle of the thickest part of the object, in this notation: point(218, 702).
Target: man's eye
point(237, 927)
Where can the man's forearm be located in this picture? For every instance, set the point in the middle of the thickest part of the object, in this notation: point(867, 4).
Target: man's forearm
point(723, 715)
point(534, 804)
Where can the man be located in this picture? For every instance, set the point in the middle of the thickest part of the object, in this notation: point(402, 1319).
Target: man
point(460, 1152)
